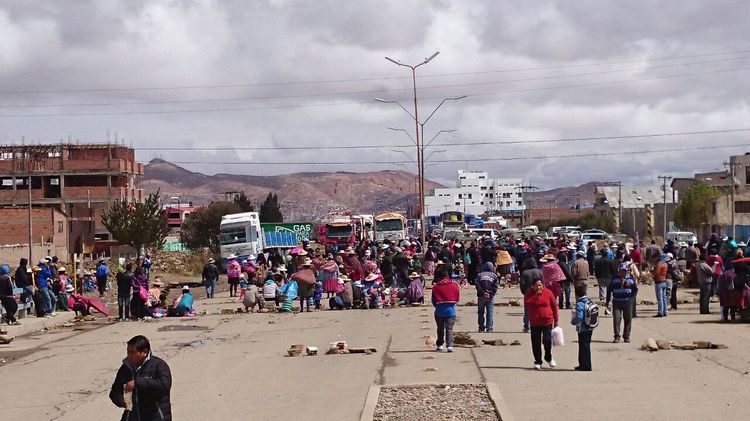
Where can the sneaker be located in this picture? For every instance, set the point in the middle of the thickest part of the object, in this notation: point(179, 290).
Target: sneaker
point(449, 349)
point(537, 366)
point(489, 330)
point(552, 363)
point(626, 340)
point(657, 315)
point(439, 349)
point(616, 340)
point(53, 314)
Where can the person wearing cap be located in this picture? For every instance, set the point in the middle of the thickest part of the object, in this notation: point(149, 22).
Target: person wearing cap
point(7, 298)
point(183, 304)
point(156, 296)
point(580, 269)
point(621, 292)
point(659, 274)
point(43, 277)
point(209, 277)
point(487, 284)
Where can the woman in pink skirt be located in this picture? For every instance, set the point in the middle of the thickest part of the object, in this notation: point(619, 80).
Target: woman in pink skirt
point(329, 275)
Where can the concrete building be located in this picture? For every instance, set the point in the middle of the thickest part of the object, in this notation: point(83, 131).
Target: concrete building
point(723, 211)
point(477, 194)
point(642, 208)
point(78, 180)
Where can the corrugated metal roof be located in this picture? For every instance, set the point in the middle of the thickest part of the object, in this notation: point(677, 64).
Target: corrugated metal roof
point(634, 197)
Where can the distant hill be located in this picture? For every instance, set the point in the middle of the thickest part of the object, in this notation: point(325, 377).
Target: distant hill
point(304, 196)
point(567, 196)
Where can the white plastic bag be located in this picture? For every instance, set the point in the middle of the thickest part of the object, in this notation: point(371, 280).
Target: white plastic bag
point(558, 338)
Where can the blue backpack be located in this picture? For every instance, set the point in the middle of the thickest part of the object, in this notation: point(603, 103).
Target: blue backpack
point(102, 271)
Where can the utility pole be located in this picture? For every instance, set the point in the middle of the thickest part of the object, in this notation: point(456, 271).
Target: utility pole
point(31, 262)
point(619, 206)
point(664, 179)
point(549, 203)
point(732, 165)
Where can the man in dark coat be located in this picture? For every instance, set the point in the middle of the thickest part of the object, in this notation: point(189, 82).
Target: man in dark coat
point(148, 378)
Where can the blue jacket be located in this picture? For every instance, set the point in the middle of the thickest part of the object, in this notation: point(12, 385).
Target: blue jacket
point(621, 294)
point(578, 318)
point(444, 309)
point(43, 276)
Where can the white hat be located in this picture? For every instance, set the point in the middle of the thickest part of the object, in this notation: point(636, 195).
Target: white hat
point(186, 288)
point(62, 269)
point(69, 288)
point(231, 256)
point(307, 262)
point(252, 257)
point(43, 261)
point(211, 260)
point(281, 269)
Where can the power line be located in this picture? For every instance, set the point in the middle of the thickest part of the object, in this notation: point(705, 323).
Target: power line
point(444, 144)
point(207, 110)
point(360, 92)
point(517, 158)
point(364, 79)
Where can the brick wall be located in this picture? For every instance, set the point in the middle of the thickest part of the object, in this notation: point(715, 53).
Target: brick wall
point(47, 224)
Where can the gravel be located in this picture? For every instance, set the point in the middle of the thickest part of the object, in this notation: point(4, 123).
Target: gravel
point(435, 403)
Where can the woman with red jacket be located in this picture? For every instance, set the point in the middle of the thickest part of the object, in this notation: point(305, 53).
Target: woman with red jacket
point(542, 308)
point(445, 295)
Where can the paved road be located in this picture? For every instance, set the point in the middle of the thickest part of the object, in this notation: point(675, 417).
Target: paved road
point(233, 366)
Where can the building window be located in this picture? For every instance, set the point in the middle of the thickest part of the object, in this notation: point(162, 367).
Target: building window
point(484, 187)
point(59, 227)
point(520, 203)
point(747, 174)
point(742, 206)
point(507, 204)
point(460, 196)
point(481, 203)
point(458, 203)
point(481, 176)
point(506, 195)
point(518, 195)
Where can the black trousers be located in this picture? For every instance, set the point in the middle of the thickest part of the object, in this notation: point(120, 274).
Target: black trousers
point(584, 350)
point(541, 335)
point(673, 298)
point(10, 308)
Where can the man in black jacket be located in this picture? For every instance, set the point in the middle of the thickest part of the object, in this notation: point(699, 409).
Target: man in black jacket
point(210, 276)
point(148, 378)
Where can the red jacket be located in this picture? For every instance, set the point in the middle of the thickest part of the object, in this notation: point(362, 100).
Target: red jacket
point(446, 291)
point(542, 308)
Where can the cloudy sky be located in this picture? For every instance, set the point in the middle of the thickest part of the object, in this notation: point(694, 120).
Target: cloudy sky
point(202, 83)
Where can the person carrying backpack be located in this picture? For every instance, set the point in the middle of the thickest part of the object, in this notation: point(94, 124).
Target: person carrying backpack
point(487, 284)
point(585, 319)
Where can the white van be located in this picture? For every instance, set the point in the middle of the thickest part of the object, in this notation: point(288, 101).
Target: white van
point(681, 238)
point(594, 236)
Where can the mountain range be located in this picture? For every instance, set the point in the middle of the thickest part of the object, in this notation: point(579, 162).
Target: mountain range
point(308, 196)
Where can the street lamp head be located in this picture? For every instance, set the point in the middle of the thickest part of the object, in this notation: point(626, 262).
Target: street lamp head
point(456, 98)
point(383, 100)
point(393, 61)
point(427, 60)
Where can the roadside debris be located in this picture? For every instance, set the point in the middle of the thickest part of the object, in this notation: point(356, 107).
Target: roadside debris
point(463, 338)
point(653, 345)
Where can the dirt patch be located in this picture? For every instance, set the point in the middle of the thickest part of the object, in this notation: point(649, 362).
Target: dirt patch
point(182, 328)
point(435, 402)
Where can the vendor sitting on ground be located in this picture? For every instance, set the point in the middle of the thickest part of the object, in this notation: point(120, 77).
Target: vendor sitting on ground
point(253, 297)
point(414, 293)
point(183, 304)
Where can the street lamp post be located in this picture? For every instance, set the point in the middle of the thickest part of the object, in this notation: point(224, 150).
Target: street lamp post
point(416, 132)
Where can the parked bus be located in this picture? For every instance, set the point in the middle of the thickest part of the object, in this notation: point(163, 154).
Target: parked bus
point(390, 226)
point(452, 221)
point(239, 234)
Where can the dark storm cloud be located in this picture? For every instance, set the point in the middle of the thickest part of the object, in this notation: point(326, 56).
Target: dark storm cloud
point(248, 51)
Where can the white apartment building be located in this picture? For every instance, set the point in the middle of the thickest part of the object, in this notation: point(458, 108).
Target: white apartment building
point(476, 193)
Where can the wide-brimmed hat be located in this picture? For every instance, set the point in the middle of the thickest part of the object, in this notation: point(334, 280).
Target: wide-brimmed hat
point(307, 262)
point(384, 247)
point(231, 256)
point(344, 278)
point(372, 277)
point(186, 288)
point(43, 261)
point(548, 258)
point(281, 269)
point(62, 269)
point(368, 252)
point(302, 253)
point(414, 275)
point(350, 250)
point(252, 257)
point(69, 288)
point(211, 260)
point(439, 262)
point(341, 251)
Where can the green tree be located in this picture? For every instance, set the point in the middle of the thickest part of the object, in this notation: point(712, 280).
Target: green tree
point(201, 228)
point(242, 201)
point(270, 210)
point(694, 209)
point(137, 225)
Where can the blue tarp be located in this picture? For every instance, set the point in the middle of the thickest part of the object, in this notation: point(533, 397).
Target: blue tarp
point(282, 239)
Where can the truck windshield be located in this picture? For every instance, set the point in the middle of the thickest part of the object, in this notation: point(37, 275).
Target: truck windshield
point(389, 225)
point(684, 236)
point(338, 231)
point(233, 235)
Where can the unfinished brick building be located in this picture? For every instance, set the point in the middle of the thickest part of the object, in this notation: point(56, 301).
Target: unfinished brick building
point(80, 180)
